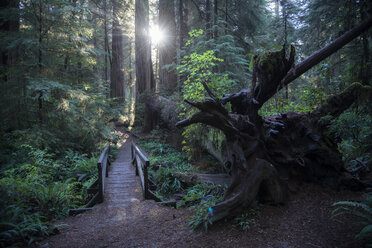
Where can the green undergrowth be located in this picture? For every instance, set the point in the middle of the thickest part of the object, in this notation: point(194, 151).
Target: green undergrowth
point(165, 163)
point(361, 210)
point(200, 198)
point(37, 186)
point(247, 219)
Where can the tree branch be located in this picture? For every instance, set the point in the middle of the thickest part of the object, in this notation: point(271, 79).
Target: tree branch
point(337, 104)
point(211, 120)
point(323, 53)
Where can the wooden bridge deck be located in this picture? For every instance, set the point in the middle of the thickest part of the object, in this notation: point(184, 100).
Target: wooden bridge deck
point(122, 187)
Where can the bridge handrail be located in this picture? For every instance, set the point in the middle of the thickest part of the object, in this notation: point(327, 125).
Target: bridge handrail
point(98, 187)
point(141, 163)
point(102, 167)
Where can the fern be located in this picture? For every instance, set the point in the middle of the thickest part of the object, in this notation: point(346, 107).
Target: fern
point(360, 209)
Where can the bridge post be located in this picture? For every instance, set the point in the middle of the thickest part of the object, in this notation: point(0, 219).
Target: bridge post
point(100, 183)
point(146, 180)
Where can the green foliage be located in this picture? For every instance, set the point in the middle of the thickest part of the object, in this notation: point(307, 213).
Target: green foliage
point(359, 209)
point(200, 198)
point(217, 62)
point(197, 193)
point(247, 219)
point(165, 161)
point(38, 187)
point(201, 214)
point(166, 181)
point(302, 99)
point(354, 129)
point(20, 226)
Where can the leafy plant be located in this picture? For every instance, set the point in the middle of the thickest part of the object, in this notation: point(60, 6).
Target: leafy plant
point(354, 128)
point(201, 191)
point(221, 65)
point(20, 226)
point(201, 214)
point(165, 161)
point(166, 181)
point(39, 187)
point(247, 219)
point(360, 209)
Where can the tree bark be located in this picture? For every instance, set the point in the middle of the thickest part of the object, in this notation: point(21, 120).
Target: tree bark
point(181, 24)
point(12, 85)
point(145, 82)
point(117, 74)
point(208, 18)
point(167, 48)
point(106, 44)
point(215, 19)
point(266, 156)
point(144, 70)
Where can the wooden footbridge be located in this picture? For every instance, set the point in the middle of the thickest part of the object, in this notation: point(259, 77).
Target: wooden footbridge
point(118, 182)
point(127, 178)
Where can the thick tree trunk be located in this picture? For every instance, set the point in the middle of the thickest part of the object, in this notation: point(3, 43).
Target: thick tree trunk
point(167, 48)
point(266, 156)
point(12, 84)
point(145, 81)
point(181, 25)
point(215, 19)
point(117, 74)
point(208, 18)
point(106, 44)
point(144, 71)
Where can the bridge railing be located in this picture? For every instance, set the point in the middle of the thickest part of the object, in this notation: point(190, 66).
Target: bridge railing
point(97, 189)
point(102, 167)
point(141, 163)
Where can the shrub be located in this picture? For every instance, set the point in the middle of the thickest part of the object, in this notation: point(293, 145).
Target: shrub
point(39, 187)
point(247, 219)
point(202, 196)
point(201, 215)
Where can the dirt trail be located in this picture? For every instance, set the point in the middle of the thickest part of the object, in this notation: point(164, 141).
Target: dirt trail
point(125, 219)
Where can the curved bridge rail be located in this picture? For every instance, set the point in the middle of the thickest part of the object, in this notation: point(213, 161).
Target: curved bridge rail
point(98, 187)
point(102, 167)
point(141, 163)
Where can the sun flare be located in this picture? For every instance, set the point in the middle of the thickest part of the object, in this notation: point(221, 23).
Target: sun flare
point(157, 36)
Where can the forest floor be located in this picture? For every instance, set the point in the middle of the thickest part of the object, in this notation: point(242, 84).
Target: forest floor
point(304, 221)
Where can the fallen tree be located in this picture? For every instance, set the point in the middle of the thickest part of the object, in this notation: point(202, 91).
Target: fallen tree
point(266, 155)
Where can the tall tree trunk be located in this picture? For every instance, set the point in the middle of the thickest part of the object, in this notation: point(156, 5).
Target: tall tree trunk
point(285, 34)
point(277, 9)
point(167, 48)
point(182, 29)
point(117, 74)
point(130, 81)
point(12, 85)
point(145, 81)
point(106, 45)
point(215, 19)
point(226, 14)
point(365, 66)
point(40, 60)
point(208, 18)
point(144, 71)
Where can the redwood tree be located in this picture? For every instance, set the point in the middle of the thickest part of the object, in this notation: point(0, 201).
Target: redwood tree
point(167, 48)
point(117, 74)
point(144, 71)
point(145, 81)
